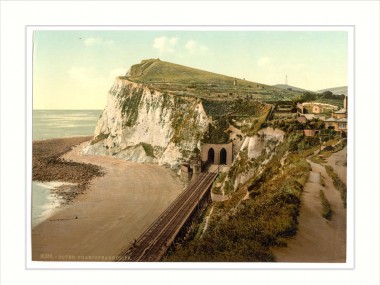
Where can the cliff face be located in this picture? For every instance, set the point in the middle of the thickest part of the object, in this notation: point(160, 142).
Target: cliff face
point(148, 126)
point(254, 153)
point(259, 149)
point(162, 112)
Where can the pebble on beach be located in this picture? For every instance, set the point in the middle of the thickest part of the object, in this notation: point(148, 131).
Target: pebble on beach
point(49, 166)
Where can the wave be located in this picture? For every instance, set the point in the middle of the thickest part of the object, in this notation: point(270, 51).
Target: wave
point(48, 124)
point(44, 201)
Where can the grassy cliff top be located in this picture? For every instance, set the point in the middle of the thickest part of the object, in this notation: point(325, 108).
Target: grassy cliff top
point(157, 71)
point(183, 80)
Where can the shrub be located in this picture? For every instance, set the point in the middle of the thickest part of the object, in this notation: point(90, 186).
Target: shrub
point(216, 132)
point(338, 183)
point(148, 148)
point(326, 208)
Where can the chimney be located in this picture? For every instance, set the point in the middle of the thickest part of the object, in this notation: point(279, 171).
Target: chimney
point(345, 103)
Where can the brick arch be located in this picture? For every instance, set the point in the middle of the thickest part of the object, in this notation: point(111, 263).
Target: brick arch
point(218, 150)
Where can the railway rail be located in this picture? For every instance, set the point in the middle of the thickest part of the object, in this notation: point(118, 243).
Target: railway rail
point(155, 241)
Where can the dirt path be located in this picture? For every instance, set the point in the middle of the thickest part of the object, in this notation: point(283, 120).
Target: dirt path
point(338, 161)
point(116, 209)
point(317, 239)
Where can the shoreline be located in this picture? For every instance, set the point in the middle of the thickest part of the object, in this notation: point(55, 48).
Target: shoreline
point(49, 165)
point(46, 200)
point(54, 192)
point(114, 209)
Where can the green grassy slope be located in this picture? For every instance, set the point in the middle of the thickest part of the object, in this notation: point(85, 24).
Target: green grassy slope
point(182, 80)
point(156, 71)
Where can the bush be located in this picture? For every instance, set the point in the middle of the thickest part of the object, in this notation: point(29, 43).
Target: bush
point(148, 148)
point(339, 184)
point(217, 131)
point(326, 208)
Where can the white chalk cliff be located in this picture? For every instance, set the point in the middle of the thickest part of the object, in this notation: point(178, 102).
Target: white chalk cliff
point(146, 126)
point(255, 151)
point(162, 112)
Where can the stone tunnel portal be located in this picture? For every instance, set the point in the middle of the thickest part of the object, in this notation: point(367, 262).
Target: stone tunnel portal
point(217, 153)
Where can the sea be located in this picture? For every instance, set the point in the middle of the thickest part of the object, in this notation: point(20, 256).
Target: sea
point(48, 124)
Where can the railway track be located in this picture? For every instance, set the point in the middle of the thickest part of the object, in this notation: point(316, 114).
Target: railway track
point(155, 241)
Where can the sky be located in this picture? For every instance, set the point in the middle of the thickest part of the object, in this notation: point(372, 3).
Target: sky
point(74, 69)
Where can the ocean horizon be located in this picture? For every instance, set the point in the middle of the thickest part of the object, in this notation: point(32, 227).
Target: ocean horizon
point(48, 124)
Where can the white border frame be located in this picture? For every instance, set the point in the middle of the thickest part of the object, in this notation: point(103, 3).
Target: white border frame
point(363, 15)
point(349, 264)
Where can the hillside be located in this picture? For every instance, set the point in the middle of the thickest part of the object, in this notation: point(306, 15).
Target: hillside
point(166, 114)
point(289, 87)
point(157, 71)
point(336, 90)
point(182, 80)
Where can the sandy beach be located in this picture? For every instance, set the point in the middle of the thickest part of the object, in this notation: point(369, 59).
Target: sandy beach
point(113, 210)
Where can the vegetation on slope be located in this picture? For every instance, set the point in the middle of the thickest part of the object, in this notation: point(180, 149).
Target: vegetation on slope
point(239, 107)
point(244, 230)
point(326, 207)
point(326, 97)
point(248, 116)
point(254, 124)
point(184, 121)
point(155, 70)
point(186, 81)
point(148, 148)
point(331, 145)
point(130, 99)
point(217, 131)
point(338, 183)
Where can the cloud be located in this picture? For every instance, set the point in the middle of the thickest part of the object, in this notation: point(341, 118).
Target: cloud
point(91, 41)
point(193, 47)
point(263, 62)
point(165, 44)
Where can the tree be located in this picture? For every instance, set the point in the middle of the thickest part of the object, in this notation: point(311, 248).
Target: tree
point(327, 94)
point(307, 96)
